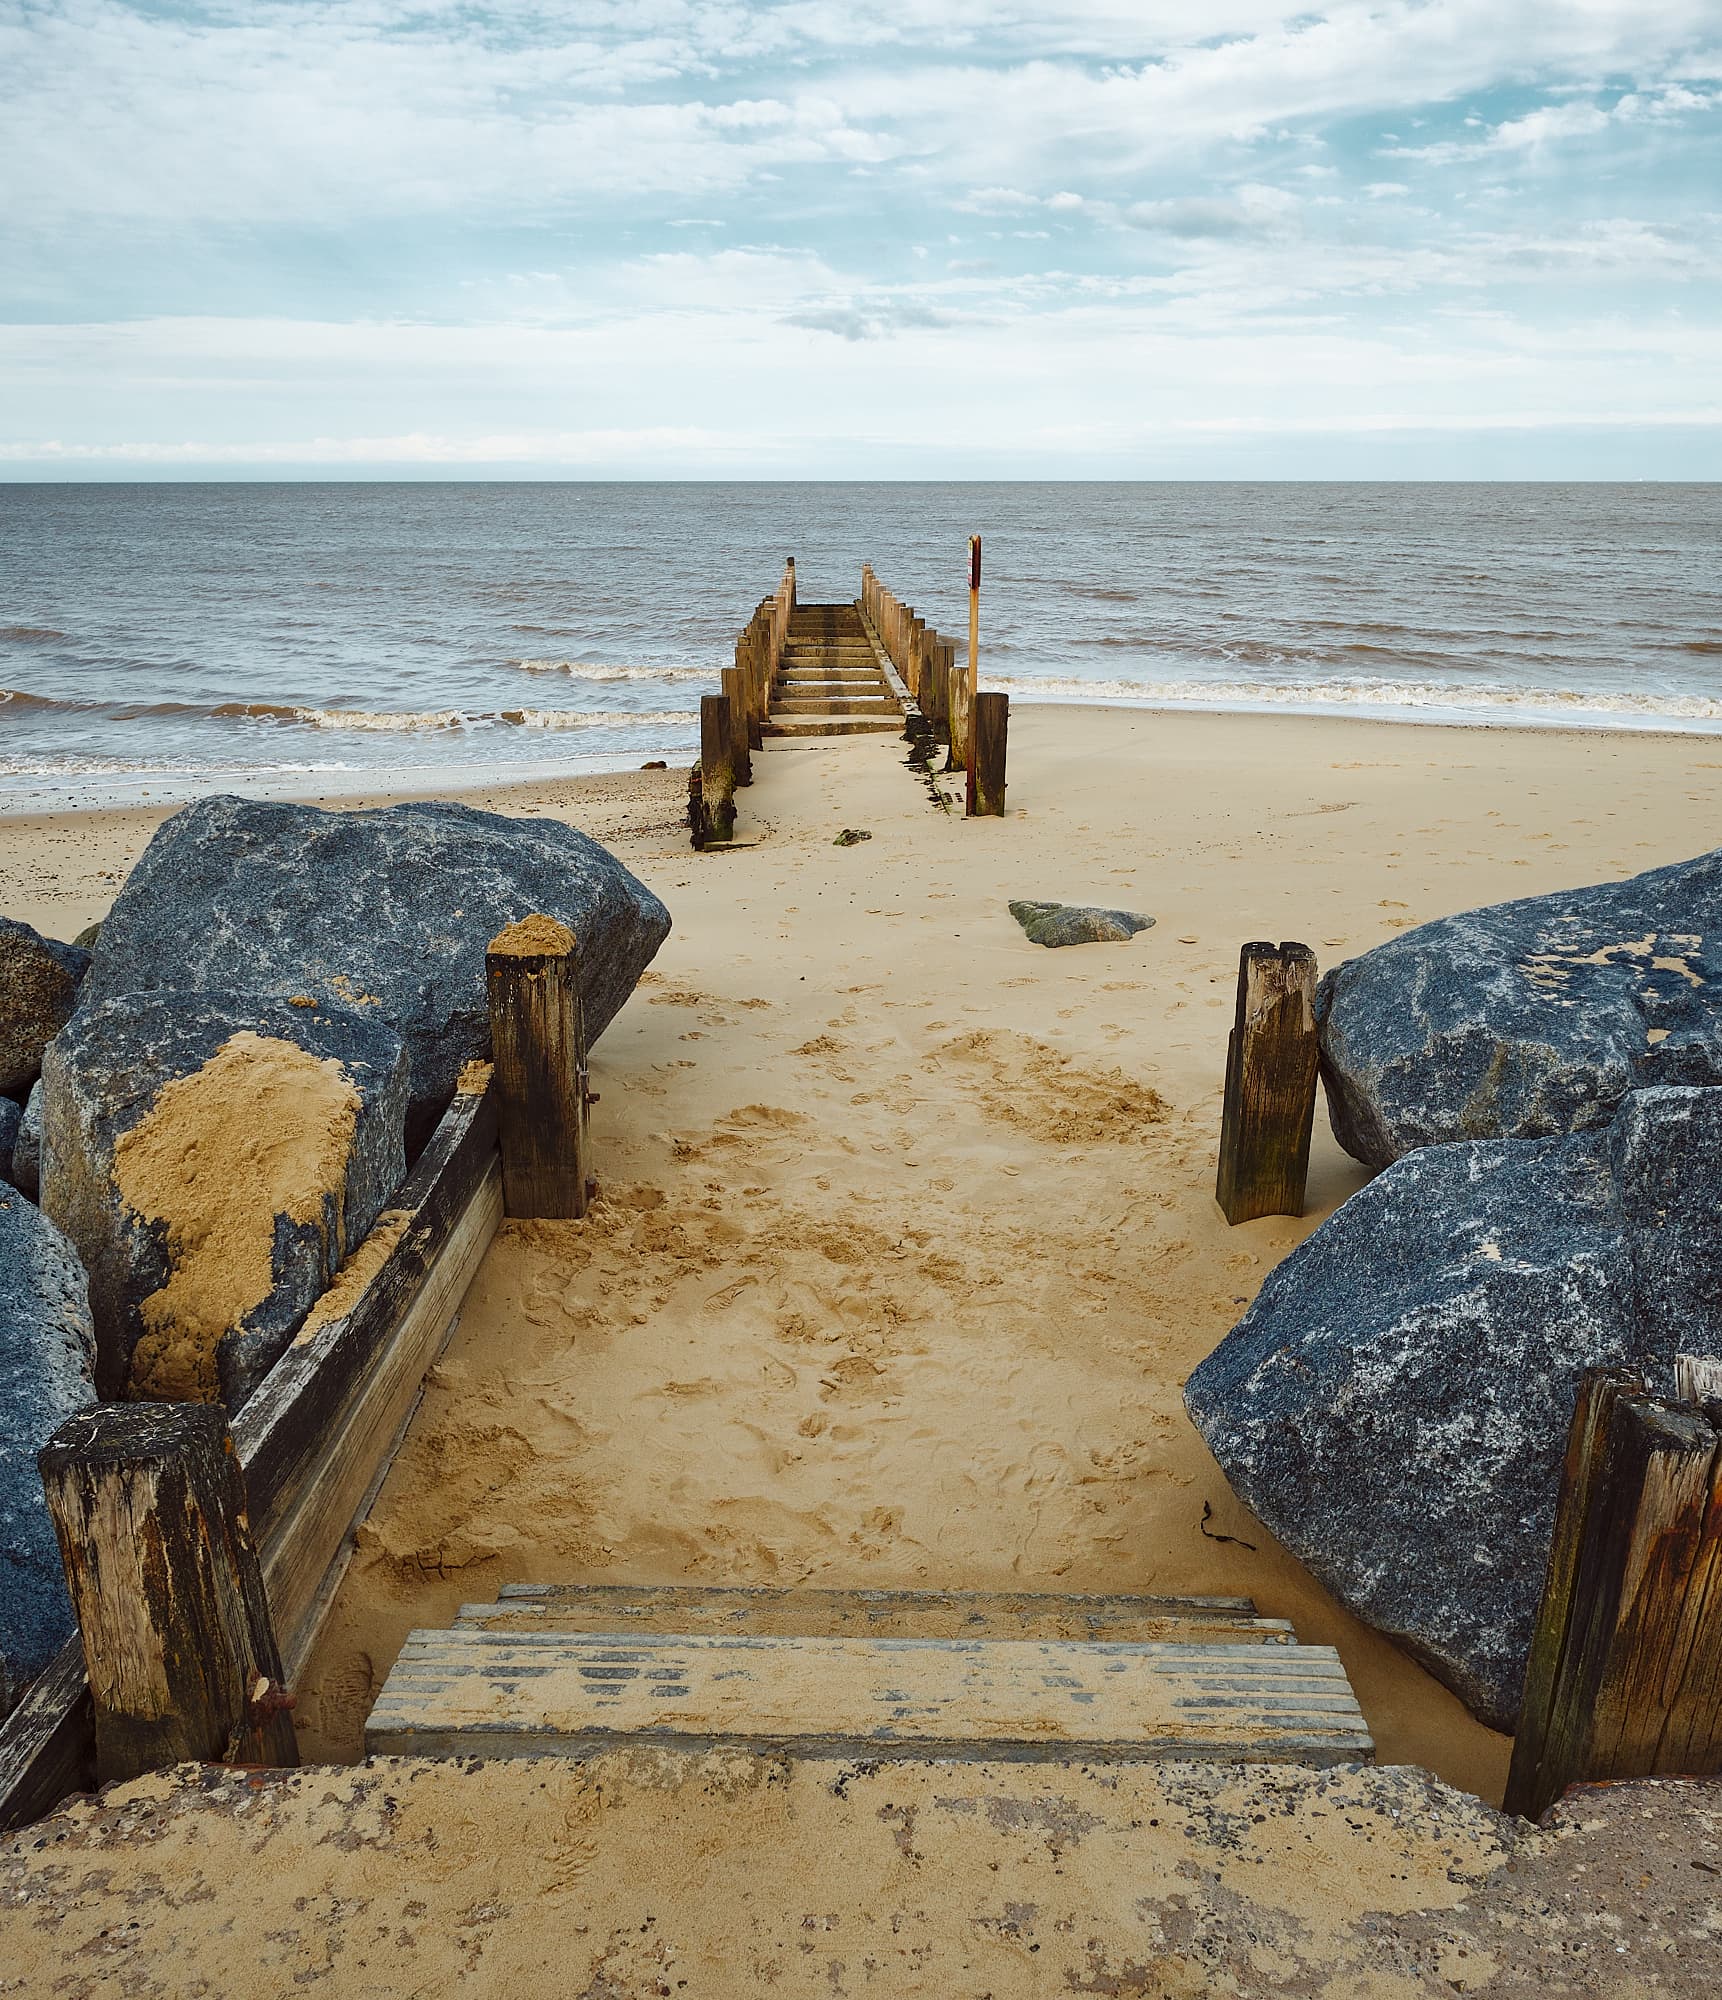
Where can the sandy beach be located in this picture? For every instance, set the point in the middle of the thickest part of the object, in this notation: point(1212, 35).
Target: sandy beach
point(906, 1240)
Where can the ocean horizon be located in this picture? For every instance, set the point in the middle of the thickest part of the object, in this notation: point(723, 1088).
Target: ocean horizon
point(166, 638)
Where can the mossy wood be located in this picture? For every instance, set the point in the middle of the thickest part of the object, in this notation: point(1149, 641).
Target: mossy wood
point(313, 1441)
point(991, 725)
point(1271, 1065)
point(1625, 1676)
point(149, 1507)
point(538, 1048)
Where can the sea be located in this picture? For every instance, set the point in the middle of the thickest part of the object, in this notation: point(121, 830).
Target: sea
point(157, 641)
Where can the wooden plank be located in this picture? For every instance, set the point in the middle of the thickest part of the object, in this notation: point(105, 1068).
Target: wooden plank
point(468, 1692)
point(538, 1048)
point(802, 1612)
point(149, 1508)
point(1271, 1065)
point(310, 1439)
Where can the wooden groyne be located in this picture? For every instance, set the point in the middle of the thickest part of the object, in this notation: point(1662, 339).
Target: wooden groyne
point(868, 667)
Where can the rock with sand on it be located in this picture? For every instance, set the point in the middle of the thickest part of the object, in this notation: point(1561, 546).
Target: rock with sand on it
point(11, 1117)
point(1054, 924)
point(1394, 1405)
point(1529, 1018)
point(388, 912)
point(25, 1175)
point(39, 981)
point(47, 1353)
point(213, 1157)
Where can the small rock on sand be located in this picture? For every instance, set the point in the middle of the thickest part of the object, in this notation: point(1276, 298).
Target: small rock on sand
point(1054, 924)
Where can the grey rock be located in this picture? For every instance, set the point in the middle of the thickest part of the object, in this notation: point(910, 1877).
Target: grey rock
point(390, 910)
point(102, 1076)
point(1526, 1019)
point(11, 1117)
point(47, 1351)
point(1394, 1405)
point(1054, 924)
point(39, 980)
point(26, 1174)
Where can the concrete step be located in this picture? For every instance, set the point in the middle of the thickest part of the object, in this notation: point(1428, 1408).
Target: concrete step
point(835, 725)
point(874, 1614)
point(469, 1692)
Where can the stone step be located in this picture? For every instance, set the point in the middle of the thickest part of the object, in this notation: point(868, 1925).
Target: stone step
point(835, 725)
point(470, 1692)
point(800, 1612)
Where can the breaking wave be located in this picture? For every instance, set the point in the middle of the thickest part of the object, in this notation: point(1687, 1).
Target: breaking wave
point(586, 670)
point(1432, 698)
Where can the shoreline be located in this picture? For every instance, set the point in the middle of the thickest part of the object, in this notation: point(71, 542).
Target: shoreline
point(352, 788)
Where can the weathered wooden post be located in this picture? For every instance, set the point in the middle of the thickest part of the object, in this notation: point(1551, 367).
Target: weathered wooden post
point(990, 723)
point(974, 616)
point(717, 766)
point(1624, 1678)
point(538, 1049)
point(741, 750)
point(148, 1504)
point(1271, 1066)
point(961, 718)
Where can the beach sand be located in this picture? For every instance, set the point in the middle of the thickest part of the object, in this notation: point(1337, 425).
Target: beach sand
point(906, 1240)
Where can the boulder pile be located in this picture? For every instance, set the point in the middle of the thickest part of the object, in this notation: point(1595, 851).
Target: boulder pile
point(1542, 1083)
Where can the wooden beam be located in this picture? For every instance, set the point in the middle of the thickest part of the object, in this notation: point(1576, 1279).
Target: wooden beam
point(538, 1047)
point(150, 1511)
point(991, 725)
point(1271, 1065)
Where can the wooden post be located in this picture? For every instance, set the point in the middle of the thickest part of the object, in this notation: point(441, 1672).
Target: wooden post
point(740, 748)
point(1597, 1391)
point(538, 1049)
point(717, 765)
point(962, 717)
point(1271, 1065)
point(989, 722)
point(974, 617)
point(1625, 1671)
point(148, 1503)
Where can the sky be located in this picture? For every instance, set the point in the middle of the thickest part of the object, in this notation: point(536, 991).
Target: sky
point(912, 239)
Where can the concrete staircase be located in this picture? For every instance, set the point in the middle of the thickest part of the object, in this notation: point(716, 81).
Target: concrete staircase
point(829, 681)
point(567, 1670)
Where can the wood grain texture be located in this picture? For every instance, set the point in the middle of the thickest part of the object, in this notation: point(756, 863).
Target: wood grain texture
point(1271, 1065)
point(149, 1507)
point(1635, 1597)
point(538, 1049)
point(717, 768)
point(991, 725)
